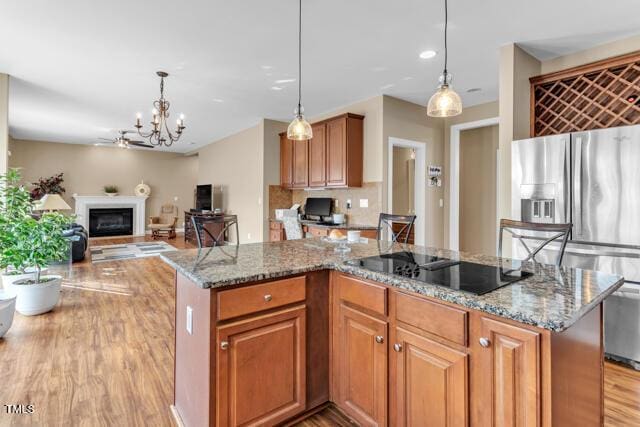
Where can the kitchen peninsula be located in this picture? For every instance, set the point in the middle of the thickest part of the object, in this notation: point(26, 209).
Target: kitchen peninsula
point(269, 332)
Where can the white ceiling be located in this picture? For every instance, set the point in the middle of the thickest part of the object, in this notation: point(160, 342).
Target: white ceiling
point(82, 68)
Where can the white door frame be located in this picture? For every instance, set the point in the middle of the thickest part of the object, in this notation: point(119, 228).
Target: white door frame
point(454, 176)
point(420, 187)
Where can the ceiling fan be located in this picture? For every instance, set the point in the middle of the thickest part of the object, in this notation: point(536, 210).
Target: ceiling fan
point(123, 141)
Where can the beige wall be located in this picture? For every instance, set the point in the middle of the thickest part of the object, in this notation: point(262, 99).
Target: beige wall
point(478, 148)
point(403, 182)
point(4, 122)
point(235, 164)
point(469, 114)
point(87, 169)
point(405, 120)
point(597, 53)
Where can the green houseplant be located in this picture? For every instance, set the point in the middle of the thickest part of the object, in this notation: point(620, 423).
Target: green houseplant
point(27, 246)
point(110, 190)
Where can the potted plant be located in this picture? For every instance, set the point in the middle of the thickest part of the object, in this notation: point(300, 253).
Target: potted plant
point(15, 204)
point(110, 190)
point(51, 185)
point(29, 244)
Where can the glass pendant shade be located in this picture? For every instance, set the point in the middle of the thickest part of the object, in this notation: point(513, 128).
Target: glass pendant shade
point(299, 129)
point(445, 102)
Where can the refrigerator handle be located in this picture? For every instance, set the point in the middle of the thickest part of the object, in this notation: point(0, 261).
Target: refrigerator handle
point(577, 185)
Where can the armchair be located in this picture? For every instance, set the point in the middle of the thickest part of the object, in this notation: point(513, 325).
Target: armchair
point(165, 223)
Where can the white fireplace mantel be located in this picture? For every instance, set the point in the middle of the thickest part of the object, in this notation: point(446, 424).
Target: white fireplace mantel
point(84, 203)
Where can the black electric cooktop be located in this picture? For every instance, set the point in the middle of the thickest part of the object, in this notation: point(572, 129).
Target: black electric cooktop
point(463, 276)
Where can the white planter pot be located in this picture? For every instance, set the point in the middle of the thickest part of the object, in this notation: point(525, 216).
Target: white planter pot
point(8, 279)
point(37, 298)
point(7, 308)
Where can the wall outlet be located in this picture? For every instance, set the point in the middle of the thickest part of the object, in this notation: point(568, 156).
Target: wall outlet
point(441, 203)
point(189, 320)
point(336, 203)
point(364, 203)
point(348, 203)
point(248, 236)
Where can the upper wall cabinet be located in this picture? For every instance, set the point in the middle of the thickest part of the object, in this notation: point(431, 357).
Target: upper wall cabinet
point(331, 159)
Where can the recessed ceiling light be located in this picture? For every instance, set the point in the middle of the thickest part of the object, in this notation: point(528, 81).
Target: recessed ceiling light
point(474, 89)
point(406, 79)
point(285, 81)
point(389, 86)
point(218, 100)
point(266, 67)
point(428, 54)
point(276, 88)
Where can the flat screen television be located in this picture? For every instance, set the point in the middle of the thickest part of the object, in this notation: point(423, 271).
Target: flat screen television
point(317, 207)
point(204, 197)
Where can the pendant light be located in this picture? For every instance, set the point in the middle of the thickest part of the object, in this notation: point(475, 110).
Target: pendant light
point(299, 129)
point(445, 102)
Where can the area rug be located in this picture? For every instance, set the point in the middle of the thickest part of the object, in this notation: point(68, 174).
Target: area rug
point(128, 251)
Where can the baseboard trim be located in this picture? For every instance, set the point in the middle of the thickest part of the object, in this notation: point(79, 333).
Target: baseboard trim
point(176, 416)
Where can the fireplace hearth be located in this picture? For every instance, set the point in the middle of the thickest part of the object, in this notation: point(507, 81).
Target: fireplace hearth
point(110, 222)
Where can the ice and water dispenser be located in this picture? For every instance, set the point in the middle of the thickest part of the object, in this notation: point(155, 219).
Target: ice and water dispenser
point(537, 203)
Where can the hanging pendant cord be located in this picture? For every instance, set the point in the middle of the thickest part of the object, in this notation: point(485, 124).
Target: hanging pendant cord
point(446, 22)
point(299, 56)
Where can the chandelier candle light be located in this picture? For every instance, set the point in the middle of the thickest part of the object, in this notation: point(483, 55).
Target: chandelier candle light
point(299, 129)
point(160, 133)
point(445, 102)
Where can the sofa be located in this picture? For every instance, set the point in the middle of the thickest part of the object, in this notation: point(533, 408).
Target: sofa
point(79, 241)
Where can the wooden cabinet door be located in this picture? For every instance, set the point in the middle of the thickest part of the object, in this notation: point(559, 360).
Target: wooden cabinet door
point(317, 157)
point(511, 365)
point(300, 177)
point(261, 369)
point(430, 386)
point(362, 367)
point(286, 161)
point(337, 153)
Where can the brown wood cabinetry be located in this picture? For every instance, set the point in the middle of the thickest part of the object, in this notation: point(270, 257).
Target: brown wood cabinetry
point(362, 366)
point(510, 364)
point(317, 157)
point(261, 369)
point(431, 382)
point(300, 169)
point(266, 352)
point(286, 161)
point(332, 158)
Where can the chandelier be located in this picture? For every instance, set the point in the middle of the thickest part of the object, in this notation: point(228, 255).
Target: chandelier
point(160, 133)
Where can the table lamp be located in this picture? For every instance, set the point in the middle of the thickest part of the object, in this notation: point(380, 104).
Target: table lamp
point(52, 202)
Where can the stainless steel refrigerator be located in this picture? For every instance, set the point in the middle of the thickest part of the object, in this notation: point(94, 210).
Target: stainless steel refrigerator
point(591, 179)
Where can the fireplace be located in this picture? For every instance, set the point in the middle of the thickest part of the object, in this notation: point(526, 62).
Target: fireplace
point(110, 222)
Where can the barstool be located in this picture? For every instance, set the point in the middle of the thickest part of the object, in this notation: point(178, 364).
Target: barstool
point(223, 222)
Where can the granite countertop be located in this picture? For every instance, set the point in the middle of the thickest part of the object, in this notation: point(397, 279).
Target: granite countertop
point(345, 226)
point(553, 298)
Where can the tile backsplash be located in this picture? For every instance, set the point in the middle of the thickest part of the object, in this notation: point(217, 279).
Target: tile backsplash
point(370, 191)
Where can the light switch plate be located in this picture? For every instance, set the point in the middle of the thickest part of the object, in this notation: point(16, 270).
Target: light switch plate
point(189, 320)
point(364, 203)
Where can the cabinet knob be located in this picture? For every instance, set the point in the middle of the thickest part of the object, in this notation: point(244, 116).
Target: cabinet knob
point(268, 298)
point(224, 345)
point(397, 347)
point(379, 339)
point(484, 342)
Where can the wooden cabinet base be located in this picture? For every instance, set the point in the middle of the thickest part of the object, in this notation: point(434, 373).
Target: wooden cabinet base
point(384, 356)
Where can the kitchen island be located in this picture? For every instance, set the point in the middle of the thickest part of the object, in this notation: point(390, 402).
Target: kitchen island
point(267, 333)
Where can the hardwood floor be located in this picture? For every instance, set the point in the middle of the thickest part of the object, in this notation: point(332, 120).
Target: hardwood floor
point(104, 356)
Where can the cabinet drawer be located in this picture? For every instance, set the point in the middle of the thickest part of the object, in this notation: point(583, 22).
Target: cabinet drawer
point(363, 294)
point(441, 320)
point(318, 232)
point(275, 225)
point(254, 298)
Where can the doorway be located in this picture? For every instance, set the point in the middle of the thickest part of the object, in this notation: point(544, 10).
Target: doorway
point(407, 182)
point(478, 196)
